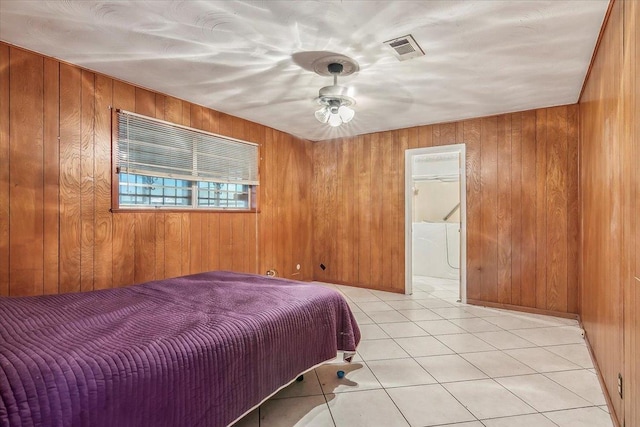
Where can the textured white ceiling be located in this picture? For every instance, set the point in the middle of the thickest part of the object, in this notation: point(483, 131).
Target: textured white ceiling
point(482, 57)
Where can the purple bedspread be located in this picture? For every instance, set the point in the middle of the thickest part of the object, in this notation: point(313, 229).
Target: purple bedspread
point(198, 350)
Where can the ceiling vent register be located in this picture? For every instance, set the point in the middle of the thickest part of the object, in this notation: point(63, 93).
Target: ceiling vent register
point(405, 47)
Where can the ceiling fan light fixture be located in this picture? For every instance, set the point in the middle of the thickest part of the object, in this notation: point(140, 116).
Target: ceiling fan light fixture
point(336, 104)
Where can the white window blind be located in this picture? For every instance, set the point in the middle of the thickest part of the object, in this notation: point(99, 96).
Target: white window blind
point(153, 147)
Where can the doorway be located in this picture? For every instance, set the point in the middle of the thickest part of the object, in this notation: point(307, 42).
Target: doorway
point(435, 221)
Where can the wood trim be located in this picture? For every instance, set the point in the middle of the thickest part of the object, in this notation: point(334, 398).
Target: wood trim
point(605, 21)
point(186, 210)
point(5, 188)
point(115, 179)
point(603, 385)
point(531, 310)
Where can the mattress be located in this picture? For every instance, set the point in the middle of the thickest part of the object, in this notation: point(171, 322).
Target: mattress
point(198, 350)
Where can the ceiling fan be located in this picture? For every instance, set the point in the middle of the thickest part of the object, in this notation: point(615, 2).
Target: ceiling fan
point(335, 103)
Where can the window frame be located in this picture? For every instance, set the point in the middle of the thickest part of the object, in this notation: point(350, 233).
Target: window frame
point(115, 177)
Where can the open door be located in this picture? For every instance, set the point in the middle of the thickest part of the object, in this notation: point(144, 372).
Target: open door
point(435, 220)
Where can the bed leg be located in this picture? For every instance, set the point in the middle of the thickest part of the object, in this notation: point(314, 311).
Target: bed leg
point(300, 378)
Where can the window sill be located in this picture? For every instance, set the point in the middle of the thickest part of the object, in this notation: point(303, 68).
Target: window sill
point(185, 210)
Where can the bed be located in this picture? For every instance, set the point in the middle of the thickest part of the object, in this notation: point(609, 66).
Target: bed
point(199, 350)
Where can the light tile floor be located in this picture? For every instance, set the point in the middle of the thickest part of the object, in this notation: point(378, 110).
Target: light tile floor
point(426, 360)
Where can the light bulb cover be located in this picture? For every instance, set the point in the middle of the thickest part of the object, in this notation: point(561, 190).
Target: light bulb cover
point(335, 120)
point(346, 113)
point(322, 115)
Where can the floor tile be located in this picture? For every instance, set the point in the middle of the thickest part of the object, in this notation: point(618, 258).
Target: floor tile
point(296, 411)
point(475, 324)
point(402, 329)
point(605, 408)
point(381, 349)
point(515, 321)
point(433, 303)
point(353, 306)
point(372, 332)
point(309, 386)
point(365, 409)
point(404, 305)
point(469, 424)
point(452, 312)
point(419, 295)
point(420, 314)
point(582, 382)
point(386, 316)
point(351, 291)
point(541, 360)
point(369, 297)
point(428, 405)
point(531, 420)
point(357, 377)
point(450, 368)
point(556, 335)
point(362, 319)
point(497, 364)
point(576, 353)
point(584, 417)
point(440, 327)
point(503, 340)
point(400, 373)
point(483, 311)
point(391, 296)
point(423, 346)
point(446, 295)
point(374, 306)
point(464, 343)
point(488, 399)
point(542, 393)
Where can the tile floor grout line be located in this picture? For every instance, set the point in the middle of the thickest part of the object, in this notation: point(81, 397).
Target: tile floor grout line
point(324, 395)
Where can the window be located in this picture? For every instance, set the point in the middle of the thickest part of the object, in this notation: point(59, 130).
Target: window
point(162, 165)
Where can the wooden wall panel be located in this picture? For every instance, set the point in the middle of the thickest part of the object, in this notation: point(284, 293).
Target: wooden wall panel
point(87, 190)
point(504, 212)
point(51, 154)
point(514, 161)
point(70, 179)
point(528, 193)
point(471, 131)
point(26, 210)
point(103, 250)
point(4, 171)
point(609, 117)
point(55, 134)
point(631, 107)
point(489, 209)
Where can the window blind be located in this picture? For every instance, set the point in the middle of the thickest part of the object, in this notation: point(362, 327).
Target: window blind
point(152, 147)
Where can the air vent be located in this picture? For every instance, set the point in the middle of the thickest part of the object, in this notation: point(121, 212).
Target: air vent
point(405, 47)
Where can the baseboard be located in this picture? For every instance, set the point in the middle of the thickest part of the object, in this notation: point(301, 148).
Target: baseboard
point(531, 310)
point(355, 285)
point(603, 386)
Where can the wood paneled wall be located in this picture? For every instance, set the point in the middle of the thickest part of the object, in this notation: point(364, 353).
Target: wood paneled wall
point(610, 164)
point(522, 207)
point(57, 233)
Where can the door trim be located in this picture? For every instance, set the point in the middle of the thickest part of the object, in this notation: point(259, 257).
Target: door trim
point(408, 209)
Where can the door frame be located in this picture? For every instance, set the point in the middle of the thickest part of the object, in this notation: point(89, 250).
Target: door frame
point(408, 209)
